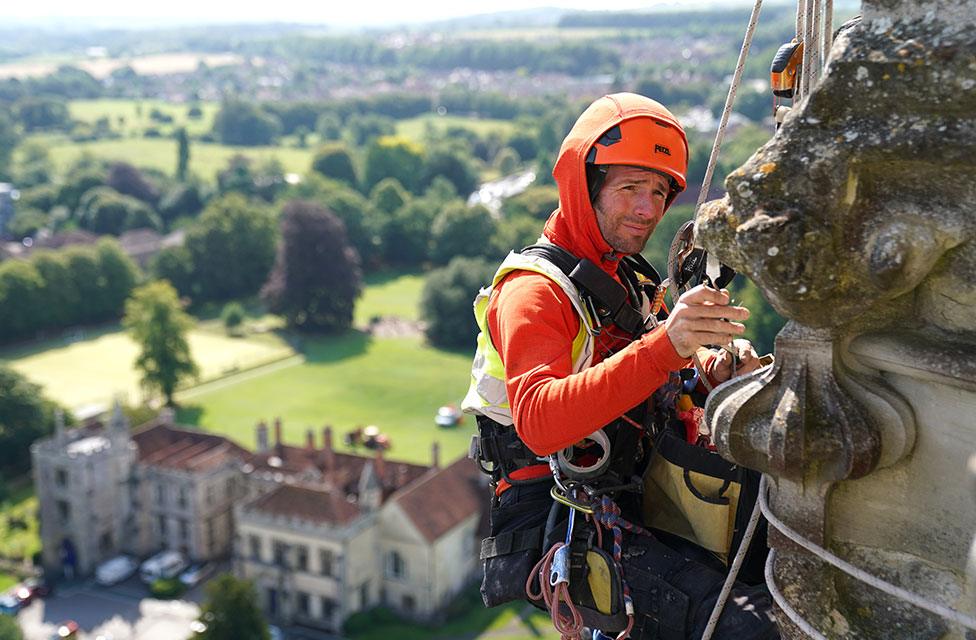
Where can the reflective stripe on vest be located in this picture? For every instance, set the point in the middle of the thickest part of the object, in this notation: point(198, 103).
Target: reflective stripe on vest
point(487, 395)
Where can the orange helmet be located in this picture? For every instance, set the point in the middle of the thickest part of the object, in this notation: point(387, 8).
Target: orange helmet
point(657, 144)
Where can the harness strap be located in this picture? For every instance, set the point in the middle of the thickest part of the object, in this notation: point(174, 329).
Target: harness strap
point(512, 542)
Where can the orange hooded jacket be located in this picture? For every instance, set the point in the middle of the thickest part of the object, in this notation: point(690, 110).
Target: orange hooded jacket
point(532, 323)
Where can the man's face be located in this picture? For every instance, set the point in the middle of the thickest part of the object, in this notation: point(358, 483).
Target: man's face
point(629, 206)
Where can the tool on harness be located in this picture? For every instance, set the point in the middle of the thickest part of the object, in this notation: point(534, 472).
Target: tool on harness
point(579, 461)
point(784, 72)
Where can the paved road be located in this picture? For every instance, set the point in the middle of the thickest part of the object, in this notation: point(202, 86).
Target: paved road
point(122, 612)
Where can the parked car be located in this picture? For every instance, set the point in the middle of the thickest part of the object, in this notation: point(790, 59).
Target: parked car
point(196, 573)
point(10, 604)
point(67, 629)
point(32, 588)
point(115, 570)
point(165, 564)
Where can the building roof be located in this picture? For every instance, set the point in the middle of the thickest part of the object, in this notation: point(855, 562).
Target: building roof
point(340, 471)
point(167, 446)
point(444, 498)
point(305, 503)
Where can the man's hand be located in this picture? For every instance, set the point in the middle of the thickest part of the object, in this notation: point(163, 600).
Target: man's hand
point(700, 318)
point(720, 367)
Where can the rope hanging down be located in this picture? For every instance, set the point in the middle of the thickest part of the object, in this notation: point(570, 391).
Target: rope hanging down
point(729, 100)
point(931, 606)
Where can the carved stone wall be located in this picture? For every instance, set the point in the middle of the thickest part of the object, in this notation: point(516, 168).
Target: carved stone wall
point(858, 221)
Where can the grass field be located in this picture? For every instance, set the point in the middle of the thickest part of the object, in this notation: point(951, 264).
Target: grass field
point(19, 534)
point(345, 381)
point(390, 294)
point(131, 117)
point(159, 153)
point(415, 128)
point(96, 367)
point(467, 618)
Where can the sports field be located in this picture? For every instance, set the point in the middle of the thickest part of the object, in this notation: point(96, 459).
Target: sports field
point(346, 381)
point(93, 368)
point(206, 159)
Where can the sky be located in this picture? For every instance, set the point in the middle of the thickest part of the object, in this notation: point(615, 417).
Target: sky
point(342, 13)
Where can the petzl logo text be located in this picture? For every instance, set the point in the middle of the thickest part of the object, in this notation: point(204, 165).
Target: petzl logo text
point(660, 149)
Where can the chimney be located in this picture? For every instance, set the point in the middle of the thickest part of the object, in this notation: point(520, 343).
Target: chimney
point(310, 439)
point(59, 433)
point(380, 466)
point(262, 436)
point(435, 455)
point(277, 432)
point(328, 453)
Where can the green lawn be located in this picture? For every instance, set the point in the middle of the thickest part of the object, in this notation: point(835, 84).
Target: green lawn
point(95, 367)
point(467, 618)
point(160, 153)
point(390, 294)
point(19, 534)
point(415, 128)
point(345, 381)
point(135, 115)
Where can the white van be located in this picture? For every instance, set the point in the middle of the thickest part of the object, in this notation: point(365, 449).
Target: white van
point(165, 564)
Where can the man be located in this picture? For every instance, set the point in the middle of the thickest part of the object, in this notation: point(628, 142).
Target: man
point(551, 363)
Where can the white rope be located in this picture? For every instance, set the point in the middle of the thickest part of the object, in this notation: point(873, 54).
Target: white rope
point(815, 42)
point(882, 585)
point(828, 29)
point(729, 100)
point(740, 556)
point(784, 604)
point(809, 49)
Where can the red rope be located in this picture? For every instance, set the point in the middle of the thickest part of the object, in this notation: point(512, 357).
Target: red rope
point(570, 627)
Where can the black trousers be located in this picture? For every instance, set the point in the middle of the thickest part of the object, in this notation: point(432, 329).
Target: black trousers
point(673, 583)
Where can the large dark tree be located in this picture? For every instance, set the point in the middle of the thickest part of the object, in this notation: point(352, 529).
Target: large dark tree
point(128, 180)
point(445, 304)
point(231, 611)
point(316, 278)
point(159, 326)
point(25, 416)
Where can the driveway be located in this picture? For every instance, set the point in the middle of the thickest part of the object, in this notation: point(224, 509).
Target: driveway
point(121, 612)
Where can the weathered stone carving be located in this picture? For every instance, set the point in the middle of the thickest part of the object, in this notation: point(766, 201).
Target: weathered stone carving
point(858, 221)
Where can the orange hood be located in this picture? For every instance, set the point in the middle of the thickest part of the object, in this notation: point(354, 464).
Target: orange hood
point(573, 225)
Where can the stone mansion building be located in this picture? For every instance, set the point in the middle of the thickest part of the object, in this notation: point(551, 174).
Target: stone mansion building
point(322, 534)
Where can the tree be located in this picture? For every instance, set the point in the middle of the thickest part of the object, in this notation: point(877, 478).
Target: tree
point(406, 235)
point(536, 201)
point(182, 153)
point(232, 248)
point(452, 163)
point(232, 316)
point(388, 196)
point(393, 157)
point(158, 324)
point(460, 230)
point(10, 629)
point(231, 611)
point(445, 303)
point(363, 224)
point(58, 288)
point(128, 180)
point(25, 415)
point(42, 112)
point(8, 140)
point(243, 123)
point(103, 210)
point(21, 301)
point(316, 278)
point(334, 161)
